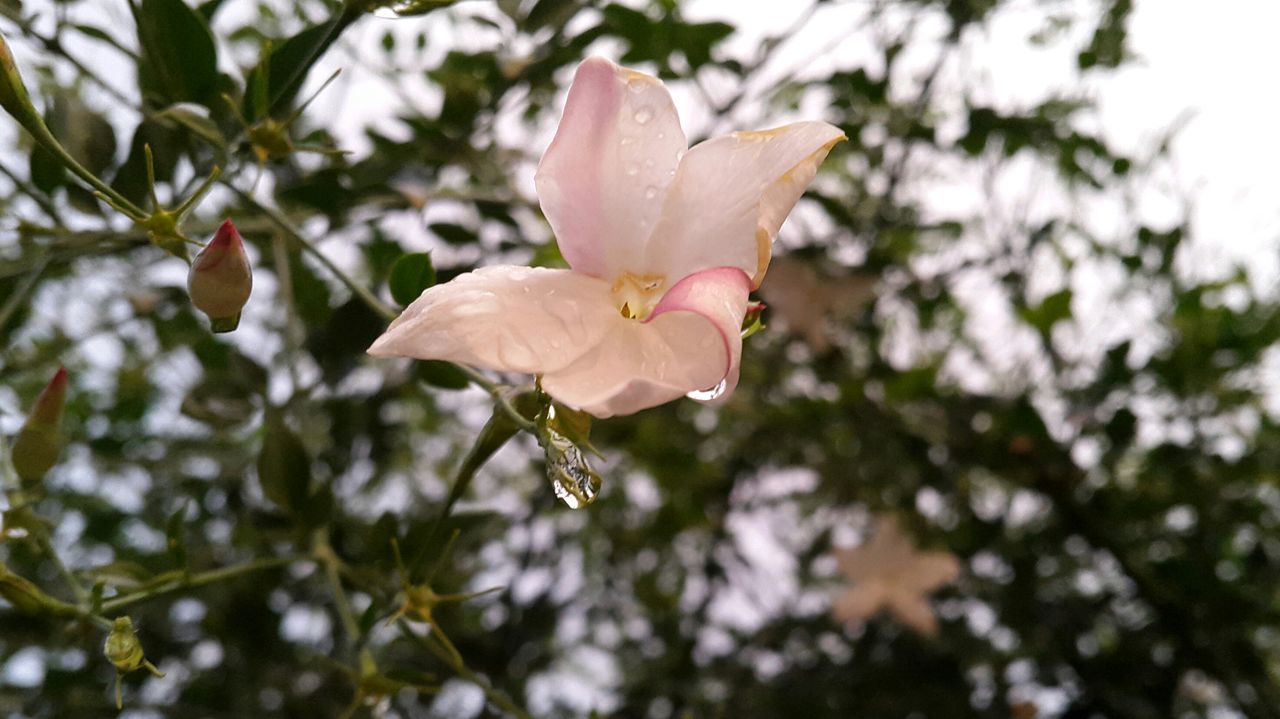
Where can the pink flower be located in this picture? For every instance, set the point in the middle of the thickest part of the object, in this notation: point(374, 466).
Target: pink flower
point(665, 244)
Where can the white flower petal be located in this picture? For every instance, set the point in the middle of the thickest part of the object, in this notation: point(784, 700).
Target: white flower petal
point(516, 319)
point(691, 342)
point(602, 181)
point(730, 197)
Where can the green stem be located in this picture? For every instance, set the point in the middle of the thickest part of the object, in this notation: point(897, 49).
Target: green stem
point(323, 552)
point(439, 644)
point(15, 300)
point(200, 579)
point(282, 223)
point(46, 545)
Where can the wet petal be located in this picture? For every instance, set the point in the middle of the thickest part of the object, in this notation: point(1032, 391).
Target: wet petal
point(730, 196)
point(691, 342)
point(516, 319)
point(602, 181)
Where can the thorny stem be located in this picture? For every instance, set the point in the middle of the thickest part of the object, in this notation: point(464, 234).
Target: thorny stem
point(440, 645)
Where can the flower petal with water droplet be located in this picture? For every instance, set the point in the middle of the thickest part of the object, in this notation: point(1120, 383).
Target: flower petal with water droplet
point(690, 342)
point(592, 180)
point(515, 319)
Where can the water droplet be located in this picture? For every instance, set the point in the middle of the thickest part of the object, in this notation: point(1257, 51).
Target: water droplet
point(648, 162)
point(633, 168)
point(644, 115)
point(572, 479)
point(650, 192)
point(627, 141)
point(635, 85)
point(706, 395)
point(662, 135)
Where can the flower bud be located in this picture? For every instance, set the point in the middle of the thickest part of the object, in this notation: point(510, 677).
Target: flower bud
point(124, 651)
point(40, 440)
point(14, 97)
point(221, 279)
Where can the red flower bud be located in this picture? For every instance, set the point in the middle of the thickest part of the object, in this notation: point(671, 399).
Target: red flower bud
point(40, 440)
point(221, 279)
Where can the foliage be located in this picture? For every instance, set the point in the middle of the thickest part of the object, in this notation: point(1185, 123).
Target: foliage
point(1062, 402)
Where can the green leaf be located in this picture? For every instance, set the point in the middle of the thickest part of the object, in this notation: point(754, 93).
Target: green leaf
point(410, 275)
point(453, 234)
point(444, 375)
point(284, 469)
point(278, 77)
point(1051, 310)
point(179, 60)
point(46, 170)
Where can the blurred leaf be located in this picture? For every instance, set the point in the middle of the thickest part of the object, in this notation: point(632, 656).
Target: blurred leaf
point(1051, 310)
point(453, 234)
point(284, 468)
point(276, 80)
point(179, 58)
point(439, 373)
point(410, 275)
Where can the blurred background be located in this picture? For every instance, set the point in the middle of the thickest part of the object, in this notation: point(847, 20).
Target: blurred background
point(1013, 415)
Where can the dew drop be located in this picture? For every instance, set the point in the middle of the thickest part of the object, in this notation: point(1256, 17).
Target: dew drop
point(648, 162)
point(627, 141)
point(633, 168)
point(572, 479)
point(635, 85)
point(662, 135)
point(705, 395)
point(650, 192)
point(644, 115)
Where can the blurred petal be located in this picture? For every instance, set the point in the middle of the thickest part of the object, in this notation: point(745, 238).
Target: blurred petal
point(730, 196)
point(930, 570)
point(860, 602)
point(690, 342)
point(913, 611)
point(602, 181)
point(516, 319)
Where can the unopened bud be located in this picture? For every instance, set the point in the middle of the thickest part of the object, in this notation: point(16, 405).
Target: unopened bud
point(40, 440)
point(221, 279)
point(124, 651)
point(14, 97)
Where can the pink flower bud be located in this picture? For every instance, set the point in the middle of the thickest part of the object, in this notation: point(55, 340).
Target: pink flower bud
point(40, 441)
point(221, 279)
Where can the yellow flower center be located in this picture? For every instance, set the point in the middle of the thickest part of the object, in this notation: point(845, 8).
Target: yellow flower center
point(636, 295)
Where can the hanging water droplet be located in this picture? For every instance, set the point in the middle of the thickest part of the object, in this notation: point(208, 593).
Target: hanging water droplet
point(705, 395)
point(406, 8)
point(572, 479)
point(644, 115)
